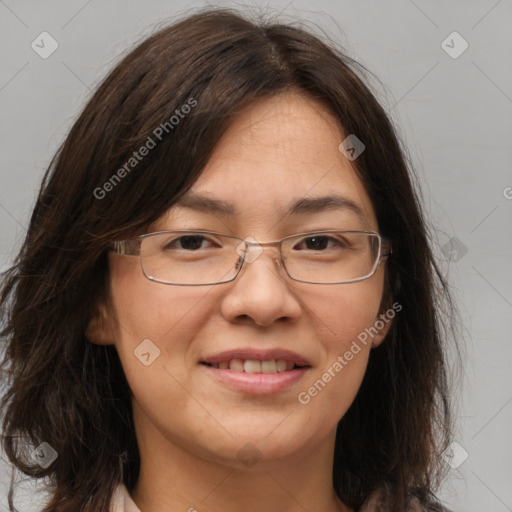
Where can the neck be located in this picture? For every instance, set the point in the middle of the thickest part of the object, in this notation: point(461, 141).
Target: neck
point(174, 478)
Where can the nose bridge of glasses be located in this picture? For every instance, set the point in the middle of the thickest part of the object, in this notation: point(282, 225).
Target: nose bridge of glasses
point(250, 249)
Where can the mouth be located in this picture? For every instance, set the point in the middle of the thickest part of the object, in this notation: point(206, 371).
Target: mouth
point(270, 366)
point(257, 372)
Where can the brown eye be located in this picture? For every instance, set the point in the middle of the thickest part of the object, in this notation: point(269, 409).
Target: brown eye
point(316, 243)
point(191, 242)
point(187, 242)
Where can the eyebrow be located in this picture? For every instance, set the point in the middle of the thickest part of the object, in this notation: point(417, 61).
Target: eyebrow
point(304, 205)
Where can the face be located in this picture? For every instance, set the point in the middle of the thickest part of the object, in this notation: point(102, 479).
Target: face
point(278, 152)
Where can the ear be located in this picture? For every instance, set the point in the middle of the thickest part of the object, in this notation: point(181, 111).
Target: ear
point(383, 323)
point(99, 330)
point(381, 335)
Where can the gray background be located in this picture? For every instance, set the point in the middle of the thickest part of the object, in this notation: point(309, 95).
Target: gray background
point(454, 114)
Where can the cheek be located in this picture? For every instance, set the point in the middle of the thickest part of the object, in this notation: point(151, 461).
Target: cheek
point(342, 312)
point(168, 316)
point(342, 318)
point(154, 327)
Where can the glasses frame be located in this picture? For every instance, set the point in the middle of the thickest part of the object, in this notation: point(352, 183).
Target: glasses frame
point(132, 246)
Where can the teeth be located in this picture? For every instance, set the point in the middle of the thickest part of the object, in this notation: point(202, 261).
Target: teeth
point(281, 365)
point(237, 365)
point(269, 366)
point(252, 366)
point(255, 366)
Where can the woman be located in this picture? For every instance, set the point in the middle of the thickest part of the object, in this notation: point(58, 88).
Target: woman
point(226, 299)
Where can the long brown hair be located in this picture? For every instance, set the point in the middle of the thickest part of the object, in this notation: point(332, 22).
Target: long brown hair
point(73, 394)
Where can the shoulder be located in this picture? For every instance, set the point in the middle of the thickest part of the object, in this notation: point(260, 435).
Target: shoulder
point(376, 503)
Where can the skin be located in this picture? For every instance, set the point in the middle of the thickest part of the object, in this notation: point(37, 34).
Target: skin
point(189, 427)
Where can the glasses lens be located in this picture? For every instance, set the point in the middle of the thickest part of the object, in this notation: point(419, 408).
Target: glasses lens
point(332, 257)
point(189, 258)
point(199, 258)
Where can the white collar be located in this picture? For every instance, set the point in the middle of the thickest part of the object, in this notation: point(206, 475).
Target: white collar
point(122, 501)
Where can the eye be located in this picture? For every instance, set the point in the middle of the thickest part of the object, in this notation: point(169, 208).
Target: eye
point(318, 243)
point(187, 242)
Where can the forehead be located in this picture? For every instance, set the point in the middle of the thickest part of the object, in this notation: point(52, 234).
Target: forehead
point(277, 158)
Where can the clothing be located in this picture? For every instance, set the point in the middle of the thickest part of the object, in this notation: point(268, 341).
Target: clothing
point(122, 501)
point(375, 503)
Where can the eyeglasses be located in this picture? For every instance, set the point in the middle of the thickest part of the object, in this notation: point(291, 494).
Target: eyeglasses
point(194, 258)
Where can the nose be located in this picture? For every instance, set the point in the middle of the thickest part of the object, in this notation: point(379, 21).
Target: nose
point(261, 292)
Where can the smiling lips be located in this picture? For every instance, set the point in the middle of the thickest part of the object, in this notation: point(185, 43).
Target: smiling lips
point(255, 365)
point(257, 372)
